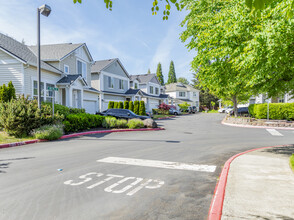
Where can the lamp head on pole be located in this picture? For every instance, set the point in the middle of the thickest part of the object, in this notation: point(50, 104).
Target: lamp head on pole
point(45, 10)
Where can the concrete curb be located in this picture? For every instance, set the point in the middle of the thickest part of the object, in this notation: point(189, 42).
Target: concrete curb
point(78, 134)
point(255, 126)
point(216, 206)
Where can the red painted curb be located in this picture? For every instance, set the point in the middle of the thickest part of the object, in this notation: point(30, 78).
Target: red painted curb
point(216, 206)
point(256, 126)
point(18, 143)
point(76, 135)
point(109, 131)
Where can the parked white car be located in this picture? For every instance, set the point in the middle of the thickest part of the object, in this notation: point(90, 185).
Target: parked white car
point(229, 110)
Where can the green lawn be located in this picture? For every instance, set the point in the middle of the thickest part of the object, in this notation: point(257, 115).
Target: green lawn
point(5, 138)
point(212, 111)
point(292, 162)
point(160, 116)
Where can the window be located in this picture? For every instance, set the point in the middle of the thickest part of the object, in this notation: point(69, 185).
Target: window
point(156, 91)
point(182, 94)
point(110, 82)
point(121, 84)
point(35, 92)
point(82, 68)
point(66, 69)
point(151, 89)
point(136, 85)
point(195, 94)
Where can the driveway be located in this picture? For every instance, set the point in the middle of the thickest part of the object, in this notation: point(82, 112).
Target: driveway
point(168, 174)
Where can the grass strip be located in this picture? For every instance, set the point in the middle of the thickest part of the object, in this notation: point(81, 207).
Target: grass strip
point(292, 162)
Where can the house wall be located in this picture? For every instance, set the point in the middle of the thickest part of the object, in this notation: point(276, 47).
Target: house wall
point(117, 69)
point(11, 70)
point(95, 81)
point(154, 85)
point(56, 65)
point(30, 73)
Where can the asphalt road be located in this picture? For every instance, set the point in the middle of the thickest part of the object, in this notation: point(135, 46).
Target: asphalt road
point(31, 187)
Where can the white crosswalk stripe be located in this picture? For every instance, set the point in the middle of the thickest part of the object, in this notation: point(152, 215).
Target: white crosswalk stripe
point(159, 164)
point(274, 132)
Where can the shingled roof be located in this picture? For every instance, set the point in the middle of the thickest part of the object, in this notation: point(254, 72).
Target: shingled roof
point(23, 53)
point(70, 79)
point(143, 78)
point(99, 65)
point(179, 87)
point(55, 52)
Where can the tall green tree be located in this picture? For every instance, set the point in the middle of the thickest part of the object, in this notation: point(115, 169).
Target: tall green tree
point(136, 107)
point(240, 54)
point(126, 105)
point(183, 80)
point(142, 109)
point(159, 74)
point(172, 74)
point(149, 72)
point(131, 106)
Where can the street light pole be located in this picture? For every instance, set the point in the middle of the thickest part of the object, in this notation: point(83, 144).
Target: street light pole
point(44, 10)
point(39, 58)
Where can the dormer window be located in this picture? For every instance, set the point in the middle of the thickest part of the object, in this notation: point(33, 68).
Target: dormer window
point(151, 89)
point(66, 69)
point(82, 68)
point(156, 91)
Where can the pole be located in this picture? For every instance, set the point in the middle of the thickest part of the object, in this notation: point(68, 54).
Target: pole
point(268, 109)
point(53, 101)
point(39, 59)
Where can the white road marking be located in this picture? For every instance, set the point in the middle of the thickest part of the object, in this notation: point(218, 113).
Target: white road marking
point(146, 183)
point(159, 164)
point(274, 132)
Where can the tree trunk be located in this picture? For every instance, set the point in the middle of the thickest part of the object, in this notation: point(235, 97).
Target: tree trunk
point(235, 106)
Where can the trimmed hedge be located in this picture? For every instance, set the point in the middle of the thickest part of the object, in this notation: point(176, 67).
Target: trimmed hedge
point(126, 105)
point(110, 104)
point(63, 110)
point(131, 106)
point(277, 111)
point(136, 107)
point(142, 109)
point(82, 121)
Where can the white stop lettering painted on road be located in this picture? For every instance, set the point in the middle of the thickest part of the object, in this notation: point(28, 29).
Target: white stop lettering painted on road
point(135, 184)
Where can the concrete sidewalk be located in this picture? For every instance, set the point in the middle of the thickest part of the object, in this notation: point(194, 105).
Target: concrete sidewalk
point(260, 185)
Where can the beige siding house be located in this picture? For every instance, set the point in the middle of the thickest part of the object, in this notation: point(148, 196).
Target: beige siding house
point(65, 66)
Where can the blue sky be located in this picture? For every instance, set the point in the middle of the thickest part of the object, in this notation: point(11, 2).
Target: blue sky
point(128, 32)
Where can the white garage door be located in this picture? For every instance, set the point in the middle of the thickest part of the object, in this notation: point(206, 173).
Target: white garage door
point(90, 106)
point(153, 104)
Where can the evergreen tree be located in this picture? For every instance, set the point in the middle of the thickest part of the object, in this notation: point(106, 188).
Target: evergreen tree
point(110, 104)
point(121, 105)
point(159, 74)
point(136, 107)
point(142, 110)
point(11, 91)
point(126, 105)
point(149, 72)
point(171, 74)
point(115, 105)
point(131, 106)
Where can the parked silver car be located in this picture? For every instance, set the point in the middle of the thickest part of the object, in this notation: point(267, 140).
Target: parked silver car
point(174, 111)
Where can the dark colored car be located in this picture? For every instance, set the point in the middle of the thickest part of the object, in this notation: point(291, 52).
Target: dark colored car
point(241, 111)
point(122, 113)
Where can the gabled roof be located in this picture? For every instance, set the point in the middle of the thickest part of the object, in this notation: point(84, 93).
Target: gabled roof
point(70, 79)
point(132, 91)
point(179, 87)
point(100, 65)
point(144, 78)
point(57, 52)
point(22, 52)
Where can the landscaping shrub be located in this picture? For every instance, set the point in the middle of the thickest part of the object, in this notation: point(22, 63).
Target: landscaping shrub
point(131, 106)
point(82, 121)
point(122, 123)
point(7, 92)
point(109, 122)
point(277, 111)
point(121, 105)
point(135, 123)
point(63, 110)
point(184, 106)
point(110, 104)
point(142, 110)
point(20, 116)
point(115, 104)
point(155, 111)
point(136, 107)
point(48, 132)
point(163, 109)
point(126, 105)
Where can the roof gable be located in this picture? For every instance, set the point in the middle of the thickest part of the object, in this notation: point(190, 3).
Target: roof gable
point(145, 78)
